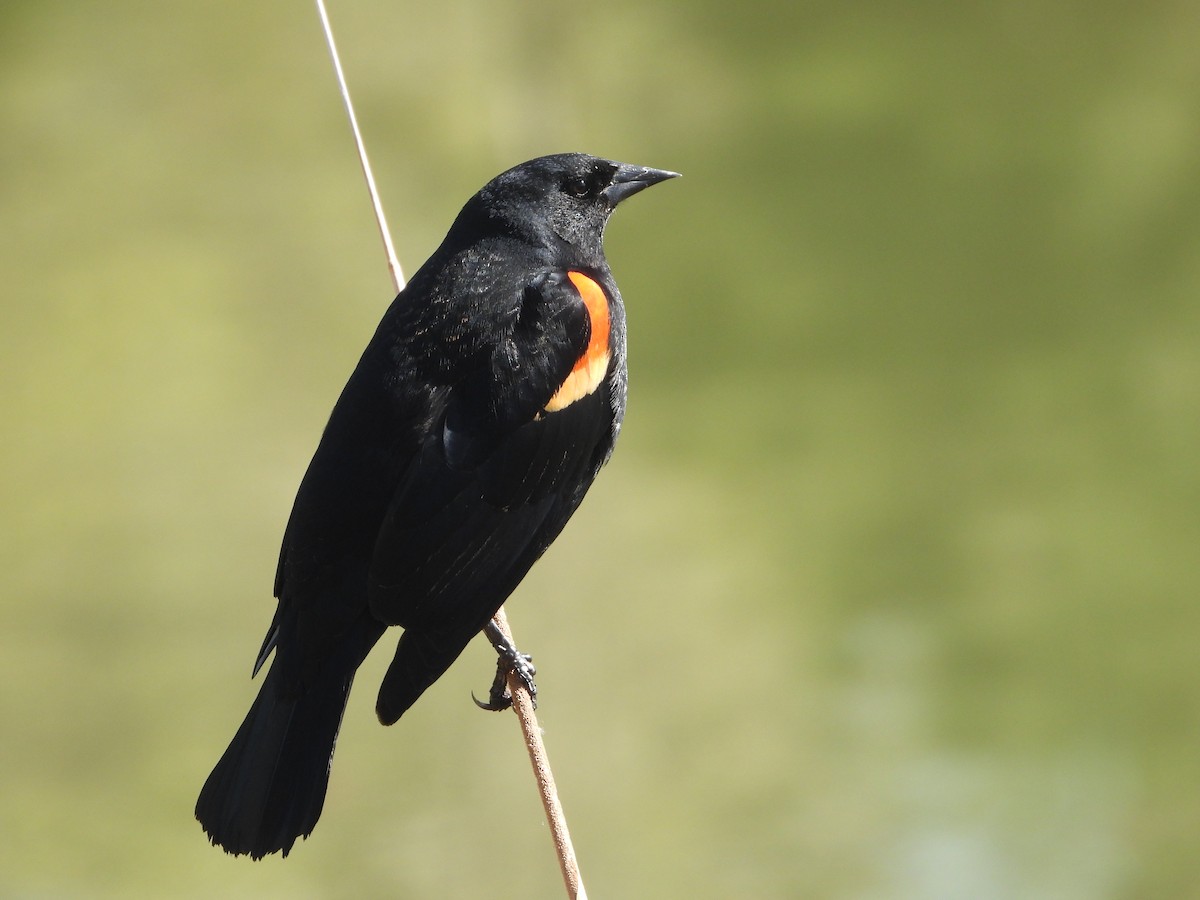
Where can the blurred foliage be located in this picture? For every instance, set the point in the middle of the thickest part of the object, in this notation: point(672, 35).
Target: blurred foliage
point(890, 590)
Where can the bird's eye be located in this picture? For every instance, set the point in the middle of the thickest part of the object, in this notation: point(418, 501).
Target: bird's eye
point(576, 186)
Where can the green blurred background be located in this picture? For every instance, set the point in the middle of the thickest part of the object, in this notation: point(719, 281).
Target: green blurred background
point(890, 590)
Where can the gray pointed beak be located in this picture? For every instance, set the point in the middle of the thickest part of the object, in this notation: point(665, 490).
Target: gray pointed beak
point(628, 180)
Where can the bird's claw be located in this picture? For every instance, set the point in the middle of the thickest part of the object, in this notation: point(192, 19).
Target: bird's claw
point(500, 697)
point(509, 661)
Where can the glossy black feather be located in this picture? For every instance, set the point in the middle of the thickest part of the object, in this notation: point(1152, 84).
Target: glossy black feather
point(438, 482)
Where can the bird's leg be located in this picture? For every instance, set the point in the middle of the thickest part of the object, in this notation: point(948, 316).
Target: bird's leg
point(508, 660)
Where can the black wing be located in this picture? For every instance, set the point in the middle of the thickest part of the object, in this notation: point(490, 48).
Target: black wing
point(369, 442)
point(494, 483)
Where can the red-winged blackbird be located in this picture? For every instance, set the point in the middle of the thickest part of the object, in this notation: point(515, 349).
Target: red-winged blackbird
point(479, 414)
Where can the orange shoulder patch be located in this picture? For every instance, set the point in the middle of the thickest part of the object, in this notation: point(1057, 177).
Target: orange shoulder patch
point(592, 365)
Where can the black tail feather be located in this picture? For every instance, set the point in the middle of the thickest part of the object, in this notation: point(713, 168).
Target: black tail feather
point(268, 788)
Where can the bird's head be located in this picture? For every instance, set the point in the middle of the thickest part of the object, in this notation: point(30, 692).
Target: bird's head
point(564, 198)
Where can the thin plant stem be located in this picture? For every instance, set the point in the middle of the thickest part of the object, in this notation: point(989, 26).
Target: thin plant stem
point(393, 263)
point(522, 705)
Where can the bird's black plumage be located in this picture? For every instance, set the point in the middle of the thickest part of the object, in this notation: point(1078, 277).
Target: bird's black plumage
point(480, 412)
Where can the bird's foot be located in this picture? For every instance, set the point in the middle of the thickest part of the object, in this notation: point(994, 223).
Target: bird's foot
point(509, 661)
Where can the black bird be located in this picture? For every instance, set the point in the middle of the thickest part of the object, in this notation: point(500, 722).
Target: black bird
point(488, 399)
